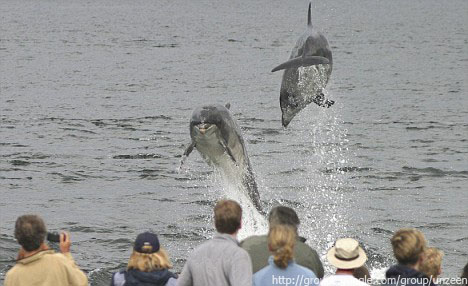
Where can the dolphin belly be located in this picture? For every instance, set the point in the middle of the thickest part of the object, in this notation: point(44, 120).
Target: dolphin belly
point(215, 154)
point(301, 87)
point(213, 151)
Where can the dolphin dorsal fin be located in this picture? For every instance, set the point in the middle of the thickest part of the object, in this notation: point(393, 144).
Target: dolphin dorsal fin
point(227, 105)
point(309, 17)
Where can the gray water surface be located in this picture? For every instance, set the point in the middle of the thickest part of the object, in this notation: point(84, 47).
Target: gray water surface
point(96, 96)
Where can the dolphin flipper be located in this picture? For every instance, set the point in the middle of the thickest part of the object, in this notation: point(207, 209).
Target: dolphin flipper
point(228, 151)
point(301, 62)
point(314, 60)
point(187, 152)
point(320, 100)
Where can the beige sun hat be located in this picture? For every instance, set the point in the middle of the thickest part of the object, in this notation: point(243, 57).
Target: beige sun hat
point(347, 254)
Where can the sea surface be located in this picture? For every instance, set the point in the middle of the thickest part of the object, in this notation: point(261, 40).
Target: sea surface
point(96, 98)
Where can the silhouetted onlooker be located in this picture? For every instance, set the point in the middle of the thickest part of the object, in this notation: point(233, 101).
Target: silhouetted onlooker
point(282, 270)
point(432, 263)
point(464, 275)
point(148, 264)
point(346, 256)
point(220, 261)
point(37, 264)
point(362, 273)
point(257, 245)
point(408, 245)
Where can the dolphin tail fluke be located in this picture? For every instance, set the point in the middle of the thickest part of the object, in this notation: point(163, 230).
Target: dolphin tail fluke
point(309, 17)
point(301, 62)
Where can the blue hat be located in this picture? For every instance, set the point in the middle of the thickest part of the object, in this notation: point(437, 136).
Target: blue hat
point(146, 242)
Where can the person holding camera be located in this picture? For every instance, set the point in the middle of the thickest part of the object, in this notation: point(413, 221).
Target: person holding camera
point(36, 263)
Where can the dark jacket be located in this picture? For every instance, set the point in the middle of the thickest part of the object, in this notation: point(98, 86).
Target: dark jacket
point(139, 278)
point(304, 255)
point(402, 275)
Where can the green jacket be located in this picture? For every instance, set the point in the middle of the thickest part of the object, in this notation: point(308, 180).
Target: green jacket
point(257, 247)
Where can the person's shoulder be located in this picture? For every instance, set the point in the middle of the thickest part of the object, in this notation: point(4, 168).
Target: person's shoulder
point(255, 244)
point(254, 239)
point(350, 280)
point(13, 271)
point(257, 276)
point(305, 270)
point(171, 282)
point(118, 278)
point(304, 246)
point(58, 257)
point(201, 249)
point(241, 251)
point(235, 252)
point(358, 282)
point(326, 281)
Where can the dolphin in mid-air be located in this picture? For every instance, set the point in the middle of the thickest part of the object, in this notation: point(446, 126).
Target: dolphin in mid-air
point(306, 73)
point(218, 138)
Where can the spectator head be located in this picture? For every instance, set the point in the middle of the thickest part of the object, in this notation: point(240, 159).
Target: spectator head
point(464, 275)
point(347, 254)
point(408, 246)
point(30, 232)
point(283, 215)
point(147, 254)
point(281, 242)
point(432, 264)
point(228, 215)
point(362, 273)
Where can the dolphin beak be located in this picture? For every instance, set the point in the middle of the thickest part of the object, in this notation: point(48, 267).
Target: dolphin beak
point(202, 128)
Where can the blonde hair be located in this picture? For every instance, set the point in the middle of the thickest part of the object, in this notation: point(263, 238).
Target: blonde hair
point(432, 262)
point(281, 241)
point(408, 245)
point(147, 262)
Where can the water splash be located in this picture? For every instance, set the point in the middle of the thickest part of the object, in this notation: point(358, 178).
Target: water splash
point(312, 79)
point(225, 183)
point(319, 134)
point(252, 221)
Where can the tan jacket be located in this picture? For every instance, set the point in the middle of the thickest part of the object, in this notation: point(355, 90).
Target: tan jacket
point(46, 268)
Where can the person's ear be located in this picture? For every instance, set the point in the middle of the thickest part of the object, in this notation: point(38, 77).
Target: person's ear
point(420, 261)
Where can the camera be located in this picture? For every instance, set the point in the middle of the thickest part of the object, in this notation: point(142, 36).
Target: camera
point(53, 236)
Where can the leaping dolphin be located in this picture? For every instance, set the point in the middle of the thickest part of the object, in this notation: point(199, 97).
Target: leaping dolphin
point(218, 138)
point(303, 86)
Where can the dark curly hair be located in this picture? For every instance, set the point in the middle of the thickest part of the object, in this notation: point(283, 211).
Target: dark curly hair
point(283, 215)
point(30, 231)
